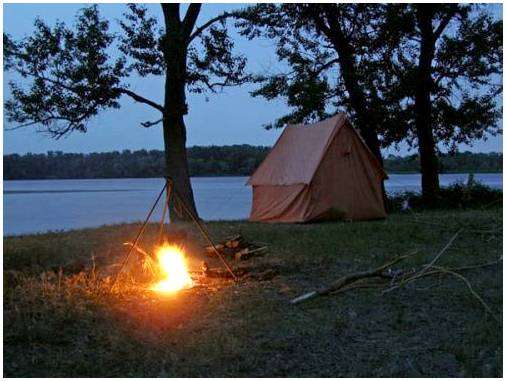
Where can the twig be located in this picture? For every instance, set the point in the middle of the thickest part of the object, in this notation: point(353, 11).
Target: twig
point(473, 292)
point(427, 267)
point(462, 268)
point(137, 248)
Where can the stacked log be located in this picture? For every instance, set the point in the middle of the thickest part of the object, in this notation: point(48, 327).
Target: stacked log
point(236, 248)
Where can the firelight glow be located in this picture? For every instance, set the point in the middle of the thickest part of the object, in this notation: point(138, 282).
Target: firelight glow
point(173, 266)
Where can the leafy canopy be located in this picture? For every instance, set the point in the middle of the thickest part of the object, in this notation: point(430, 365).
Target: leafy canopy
point(385, 42)
point(305, 36)
point(466, 73)
point(70, 74)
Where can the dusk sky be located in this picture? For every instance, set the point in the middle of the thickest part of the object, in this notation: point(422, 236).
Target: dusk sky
point(232, 117)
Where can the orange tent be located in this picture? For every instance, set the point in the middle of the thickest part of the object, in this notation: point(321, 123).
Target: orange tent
point(318, 172)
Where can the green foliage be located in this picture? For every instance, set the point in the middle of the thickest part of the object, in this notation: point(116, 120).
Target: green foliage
point(383, 43)
point(309, 38)
point(459, 162)
point(68, 74)
point(456, 196)
point(465, 72)
point(236, 160)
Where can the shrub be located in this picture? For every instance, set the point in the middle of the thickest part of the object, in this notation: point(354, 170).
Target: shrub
point(458, 195)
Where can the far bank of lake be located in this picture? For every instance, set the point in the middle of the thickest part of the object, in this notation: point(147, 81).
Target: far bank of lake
point(32, 206)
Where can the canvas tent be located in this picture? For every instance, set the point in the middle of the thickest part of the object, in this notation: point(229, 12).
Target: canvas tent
point(318, 172)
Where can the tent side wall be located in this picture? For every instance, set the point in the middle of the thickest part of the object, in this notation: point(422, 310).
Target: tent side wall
point(346, 184)
point(280, 203)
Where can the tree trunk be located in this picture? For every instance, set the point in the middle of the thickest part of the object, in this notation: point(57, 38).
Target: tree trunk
point(346, 58)
point(174, 129)
point(176, 165)
point(366, 120)
point(423, 125)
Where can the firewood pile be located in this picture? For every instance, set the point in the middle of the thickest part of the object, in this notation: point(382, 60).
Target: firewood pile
point(236, 248)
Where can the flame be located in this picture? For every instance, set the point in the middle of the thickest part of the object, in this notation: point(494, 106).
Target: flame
point(172, 264)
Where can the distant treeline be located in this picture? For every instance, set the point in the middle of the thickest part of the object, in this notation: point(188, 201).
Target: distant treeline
point(235, 160)
point(464, 162)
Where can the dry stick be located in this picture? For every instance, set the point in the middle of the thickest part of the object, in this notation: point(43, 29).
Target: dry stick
point(426, 267)
point(139, 234)
point(473, 292)
point(162, 221)
point(462, 268)
point(138, 249)
point(356, 285)
point(491, 203)
point(149, 259)
point(348, 279)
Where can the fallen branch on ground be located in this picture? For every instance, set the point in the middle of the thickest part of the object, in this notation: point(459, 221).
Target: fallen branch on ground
point(400, 278)
point(425, 268)
point(473, 292)
point(349, 279)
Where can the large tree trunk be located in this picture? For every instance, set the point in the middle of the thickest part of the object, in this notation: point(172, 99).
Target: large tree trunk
point(176, 164)
point(367, 123)
point(346, 58)
point(174, 129)
point(423, 125)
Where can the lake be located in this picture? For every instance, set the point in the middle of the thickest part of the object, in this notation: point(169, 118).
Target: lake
point(48, 205)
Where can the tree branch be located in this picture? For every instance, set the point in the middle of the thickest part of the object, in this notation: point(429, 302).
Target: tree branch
point(200, 29)
point(140, 99)
point(190, 18)
point(120, 90)
point(324, 67)
point(442, 25)
point(151, 124)
point(171, 13)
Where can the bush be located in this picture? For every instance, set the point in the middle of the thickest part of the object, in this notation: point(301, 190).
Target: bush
point(459, 195)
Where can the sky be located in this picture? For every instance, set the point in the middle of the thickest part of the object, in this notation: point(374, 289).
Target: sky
point(231, 117)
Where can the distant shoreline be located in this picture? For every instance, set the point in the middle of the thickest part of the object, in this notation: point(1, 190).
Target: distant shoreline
point(214, 161)
point(225, 176)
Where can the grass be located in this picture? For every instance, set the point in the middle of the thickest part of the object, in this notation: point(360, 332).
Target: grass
point(65, 323)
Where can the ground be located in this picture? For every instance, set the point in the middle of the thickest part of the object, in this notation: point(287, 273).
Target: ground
point(66, 323)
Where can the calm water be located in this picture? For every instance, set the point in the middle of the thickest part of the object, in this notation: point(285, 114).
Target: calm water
point(42, 205)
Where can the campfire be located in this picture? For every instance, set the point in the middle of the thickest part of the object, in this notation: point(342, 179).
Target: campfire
point(168, 263)
point(173, 267)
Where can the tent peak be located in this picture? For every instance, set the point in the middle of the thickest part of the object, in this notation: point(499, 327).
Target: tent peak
point(297, 153)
